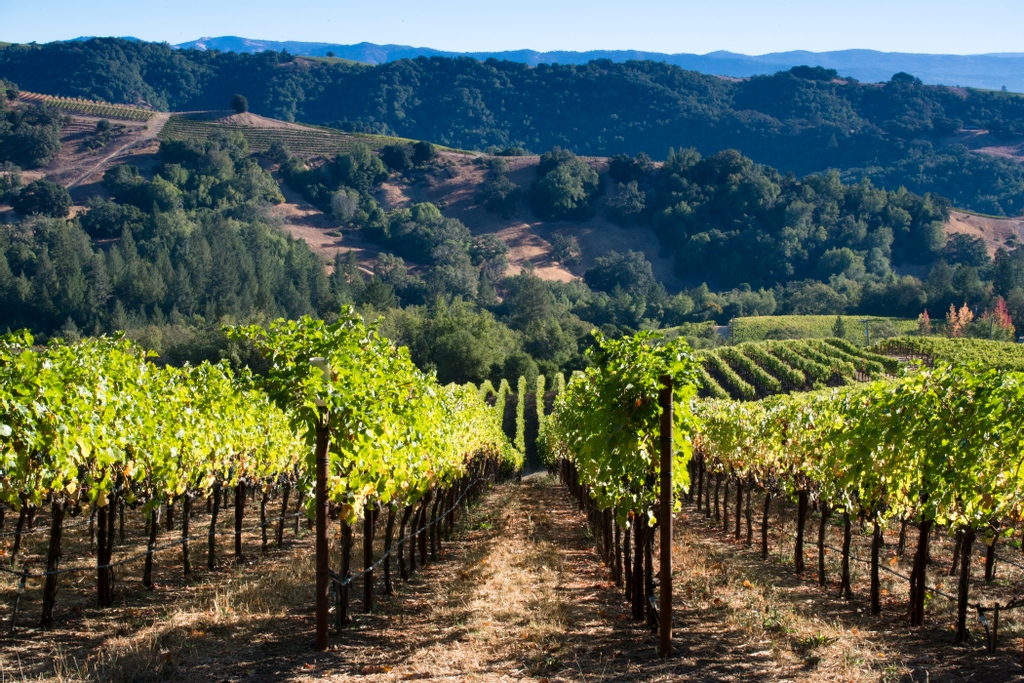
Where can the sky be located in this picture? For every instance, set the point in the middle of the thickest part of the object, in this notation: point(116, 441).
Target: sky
point(745, 26)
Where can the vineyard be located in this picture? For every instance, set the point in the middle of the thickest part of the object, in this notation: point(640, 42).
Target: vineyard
point(85, 107)
point(935, 451)
point(995, 354)
point(816, 456)
point(937, 448)
point(306, 141)
point(754, 370)
point(93, 429)
point(759, 328)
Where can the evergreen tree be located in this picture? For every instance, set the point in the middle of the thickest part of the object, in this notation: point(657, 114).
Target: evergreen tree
point(839, 327)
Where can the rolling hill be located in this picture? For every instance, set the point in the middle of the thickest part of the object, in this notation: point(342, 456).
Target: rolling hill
point(456, 191)
point(991, 71)
point(960, 143)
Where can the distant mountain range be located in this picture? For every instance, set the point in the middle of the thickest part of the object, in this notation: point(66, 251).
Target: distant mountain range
point(992, 71)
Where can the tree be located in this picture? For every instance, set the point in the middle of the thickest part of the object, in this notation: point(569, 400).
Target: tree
point(501, 196)
point(398, 157)
point(1001, 315)
point(360, 168)
point(10, 181)
point(344, 204)
point(379, 295)
point(34, 138)
point(43, 197)
point(628, 203)
point(924, 324)
point(622, 169)
point(957, 322)
point(566, 188)
point(839, 327)
point(240, 104)
point(11, 90)
point(630, 271)
point(813, 298)
point(490, 250)
point(278, 153)
point(422, 152)
point(566, 249)
point(528, 299)
point(121, 181)
point(109, 219)
point(520, 364)
point(970, 251)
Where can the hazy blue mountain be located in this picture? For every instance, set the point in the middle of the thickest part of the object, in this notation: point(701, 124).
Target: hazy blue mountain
point(980, 71)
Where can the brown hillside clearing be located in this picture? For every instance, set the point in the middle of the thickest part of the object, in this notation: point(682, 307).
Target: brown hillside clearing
point(985, 143)
point(75, 166)
point(303, 221)
point(528, 238)
point(243, 119)
point(997, 232)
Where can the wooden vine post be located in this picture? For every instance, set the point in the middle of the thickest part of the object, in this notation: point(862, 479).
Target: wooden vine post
point(322, 558)
point(665, 517)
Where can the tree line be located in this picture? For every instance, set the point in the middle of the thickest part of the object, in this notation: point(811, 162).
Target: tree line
point(807, 119)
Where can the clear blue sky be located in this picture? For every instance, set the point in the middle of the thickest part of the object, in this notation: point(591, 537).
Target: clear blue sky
point(699, 26)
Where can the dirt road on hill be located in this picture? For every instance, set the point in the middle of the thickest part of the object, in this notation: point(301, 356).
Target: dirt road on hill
point(147, 134)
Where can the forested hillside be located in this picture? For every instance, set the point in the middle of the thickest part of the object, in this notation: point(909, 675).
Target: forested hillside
point(990, 71)
point(174, 242)
point(177, 237)
point(901, 133)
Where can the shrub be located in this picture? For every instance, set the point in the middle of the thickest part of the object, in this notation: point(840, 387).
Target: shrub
point(501, 196)
point(44, 198)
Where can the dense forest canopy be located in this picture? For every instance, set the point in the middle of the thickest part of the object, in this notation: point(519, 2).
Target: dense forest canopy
point(803, 120)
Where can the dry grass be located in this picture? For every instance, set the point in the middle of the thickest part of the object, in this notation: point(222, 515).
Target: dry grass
point(820, 637)
point(529, 239)
point(1006, 233)
point(520, 594)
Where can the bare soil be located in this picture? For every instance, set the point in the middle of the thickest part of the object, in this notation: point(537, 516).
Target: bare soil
point(983, 142)
point(80, 169)
point(325, 237)
point(821, 637)
point(250, 119)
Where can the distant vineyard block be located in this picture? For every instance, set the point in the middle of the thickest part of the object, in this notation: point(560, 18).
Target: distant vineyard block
point(308, 141)
point(74, 105)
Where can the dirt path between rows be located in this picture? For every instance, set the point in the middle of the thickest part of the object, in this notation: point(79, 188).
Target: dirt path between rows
point(526, 597)
point(520, 595)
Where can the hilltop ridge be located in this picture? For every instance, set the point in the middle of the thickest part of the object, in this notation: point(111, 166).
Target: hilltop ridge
point(991, 71)
point(902, 133)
